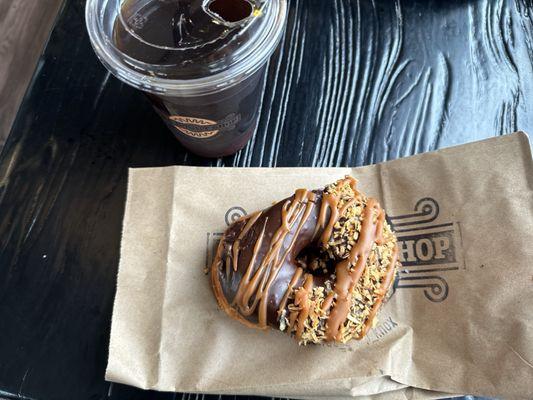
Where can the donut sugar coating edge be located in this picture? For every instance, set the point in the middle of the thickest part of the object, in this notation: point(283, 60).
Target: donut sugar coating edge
point(316, 265)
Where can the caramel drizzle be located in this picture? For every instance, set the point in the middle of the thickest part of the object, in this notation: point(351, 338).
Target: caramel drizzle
point(295, 277)
point(346, 276)
point(301, 297)
point(250, 221)
point(256, 288)
point(387, 282)
point(348, 272)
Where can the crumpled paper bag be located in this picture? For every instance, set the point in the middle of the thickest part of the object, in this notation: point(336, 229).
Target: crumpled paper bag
point(460, 321)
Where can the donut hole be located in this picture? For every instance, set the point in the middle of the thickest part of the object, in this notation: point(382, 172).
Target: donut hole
point(315, 261)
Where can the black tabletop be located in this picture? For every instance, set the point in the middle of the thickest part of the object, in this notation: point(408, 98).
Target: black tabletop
point(354, 82)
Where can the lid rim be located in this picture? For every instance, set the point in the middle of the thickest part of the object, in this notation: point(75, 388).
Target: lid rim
point(223, 79)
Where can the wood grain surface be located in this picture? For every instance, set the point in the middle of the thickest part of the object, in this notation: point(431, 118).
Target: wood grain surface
point(354, 82)
point(24, 30)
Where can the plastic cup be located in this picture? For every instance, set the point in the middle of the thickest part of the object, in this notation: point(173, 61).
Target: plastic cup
point(202, 69)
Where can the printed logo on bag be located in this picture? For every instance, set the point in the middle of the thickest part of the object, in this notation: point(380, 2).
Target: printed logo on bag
point(430, 247)
point(213, 238)
point(202, 128)
point(233, 214)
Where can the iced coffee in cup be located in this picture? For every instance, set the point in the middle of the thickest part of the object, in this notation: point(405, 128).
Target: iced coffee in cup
point(201, 62)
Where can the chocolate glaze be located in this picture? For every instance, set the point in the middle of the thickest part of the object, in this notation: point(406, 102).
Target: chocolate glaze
point(271, 221)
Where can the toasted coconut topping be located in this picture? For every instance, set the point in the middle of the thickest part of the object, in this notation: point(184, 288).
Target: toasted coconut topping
point(370, 289)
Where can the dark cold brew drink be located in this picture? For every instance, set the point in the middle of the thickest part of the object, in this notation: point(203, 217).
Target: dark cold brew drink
point(201, 63)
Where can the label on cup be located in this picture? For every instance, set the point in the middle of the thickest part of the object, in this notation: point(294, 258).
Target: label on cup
point(202, 128)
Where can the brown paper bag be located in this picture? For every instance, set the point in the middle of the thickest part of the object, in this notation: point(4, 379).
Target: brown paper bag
point(460, 321)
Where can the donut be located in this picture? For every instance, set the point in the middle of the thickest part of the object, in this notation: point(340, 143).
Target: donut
point(317, 265)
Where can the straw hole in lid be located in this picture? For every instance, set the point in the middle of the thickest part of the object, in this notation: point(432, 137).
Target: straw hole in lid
point(230, 11)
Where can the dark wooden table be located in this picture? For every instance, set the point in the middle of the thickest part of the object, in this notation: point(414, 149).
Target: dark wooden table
point(355, 82)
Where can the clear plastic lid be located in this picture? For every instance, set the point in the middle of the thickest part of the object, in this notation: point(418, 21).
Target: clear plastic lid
point(184, 47)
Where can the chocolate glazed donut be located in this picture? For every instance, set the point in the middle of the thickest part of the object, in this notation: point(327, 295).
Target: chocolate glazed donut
point(316, 265)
